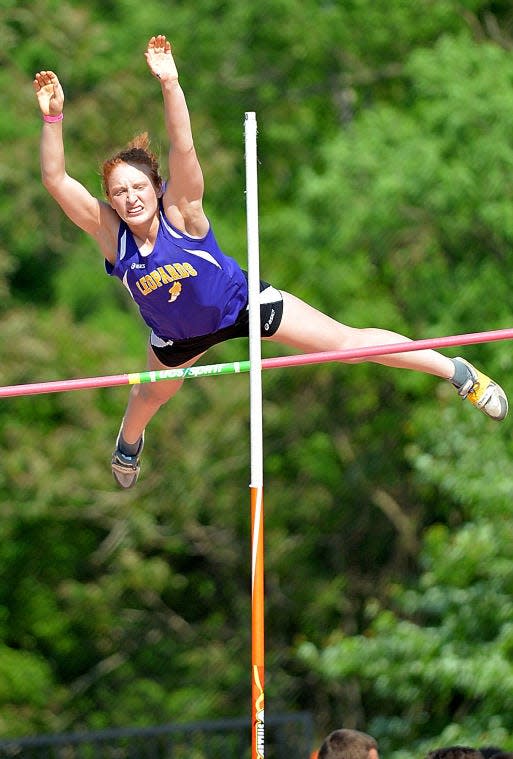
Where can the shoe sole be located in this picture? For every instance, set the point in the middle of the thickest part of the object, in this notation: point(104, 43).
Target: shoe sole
point(125, 477)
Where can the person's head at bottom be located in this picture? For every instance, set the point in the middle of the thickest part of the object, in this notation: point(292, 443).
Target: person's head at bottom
point(348, 744)
point(455, 752)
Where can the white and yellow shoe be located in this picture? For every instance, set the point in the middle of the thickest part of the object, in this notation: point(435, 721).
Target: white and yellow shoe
point(483, 393)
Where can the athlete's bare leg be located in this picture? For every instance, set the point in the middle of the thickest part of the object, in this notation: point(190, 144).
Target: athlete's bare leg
point(146, 399)
point(309, 330)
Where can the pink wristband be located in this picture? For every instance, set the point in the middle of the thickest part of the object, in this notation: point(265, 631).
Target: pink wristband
point(52, 119)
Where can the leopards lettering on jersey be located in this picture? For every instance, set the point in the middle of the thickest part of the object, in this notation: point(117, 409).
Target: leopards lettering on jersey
point(164, 275)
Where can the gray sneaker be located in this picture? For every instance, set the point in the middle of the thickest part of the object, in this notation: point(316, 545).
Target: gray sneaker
point(484, 393)
point(125, 469)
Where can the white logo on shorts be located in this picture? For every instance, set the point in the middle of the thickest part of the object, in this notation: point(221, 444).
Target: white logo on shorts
point(268, 323)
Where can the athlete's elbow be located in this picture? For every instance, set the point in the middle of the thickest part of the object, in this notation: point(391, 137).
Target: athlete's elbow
point(51, 181)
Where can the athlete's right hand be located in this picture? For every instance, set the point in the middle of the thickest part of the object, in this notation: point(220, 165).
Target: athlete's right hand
point(49, 93)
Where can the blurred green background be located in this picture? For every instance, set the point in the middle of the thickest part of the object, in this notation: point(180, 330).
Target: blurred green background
point(385, 185)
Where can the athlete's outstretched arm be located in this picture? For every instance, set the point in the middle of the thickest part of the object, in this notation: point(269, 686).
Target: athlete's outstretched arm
point(84, 210)
point(184, 190)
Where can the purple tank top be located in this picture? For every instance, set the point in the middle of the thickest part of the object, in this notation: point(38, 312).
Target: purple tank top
point(185, 287)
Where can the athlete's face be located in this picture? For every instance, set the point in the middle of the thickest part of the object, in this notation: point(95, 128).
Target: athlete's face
point(132, 194)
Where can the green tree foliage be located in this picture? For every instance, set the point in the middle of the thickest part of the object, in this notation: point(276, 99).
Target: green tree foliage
point(436, 181)
point(385, 164)
point(436, 664)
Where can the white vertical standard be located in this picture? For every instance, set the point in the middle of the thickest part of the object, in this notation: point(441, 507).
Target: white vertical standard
point(255, 355)
point(256, 442)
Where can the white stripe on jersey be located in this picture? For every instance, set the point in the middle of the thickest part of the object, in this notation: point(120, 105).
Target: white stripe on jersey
point(171, 231)
point(205, 255)
point(122, 246)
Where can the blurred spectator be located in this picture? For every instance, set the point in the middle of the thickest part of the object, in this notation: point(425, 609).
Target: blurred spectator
point(348, 744)
point(455, 752)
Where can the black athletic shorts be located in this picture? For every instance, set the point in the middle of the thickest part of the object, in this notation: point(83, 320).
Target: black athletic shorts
point(180, 351)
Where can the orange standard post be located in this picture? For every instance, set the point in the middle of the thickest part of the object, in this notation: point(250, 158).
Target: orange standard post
point(257, 606)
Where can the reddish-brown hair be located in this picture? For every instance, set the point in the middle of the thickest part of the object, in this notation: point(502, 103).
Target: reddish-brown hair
point(136, 152)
